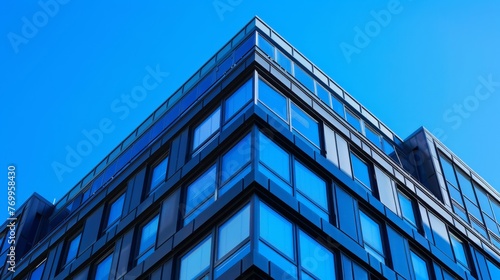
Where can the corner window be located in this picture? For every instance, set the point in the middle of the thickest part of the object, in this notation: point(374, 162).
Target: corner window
point(306, 126)
point(115, 211)
point(315, 259)
point(38, 272)
point(200, 194)
point(459, 252)
point(103, 269)
point(311, 190)
point(206, 130)
point(238, 99)
point(72, 248)
point(148, 239)
point(265, 46)
point(276, 162)
point(195, 264)
point(158, 174)
point(419, 267)
point(284, 61)
point(276, 102)
point(234, 160)
point(407, 209)
point(372, 237)
point(361, 172)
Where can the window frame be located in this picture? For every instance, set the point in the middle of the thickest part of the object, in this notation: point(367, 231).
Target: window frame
point(382, 234)
point(107, 226)
point(414, 209)
point(202, 144)
point(67, 246)
point(454, 237)
point(44, 263)
point(372, 188)
point(146, 252)
point(426, 261)
point(152, 188)
point(100, 261)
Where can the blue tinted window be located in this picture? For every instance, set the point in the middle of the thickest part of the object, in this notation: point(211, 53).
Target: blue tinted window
point(337, 106)
point(466, 186)
point(238, 99)
point(484, 202)
point(38, 272)
point(459, 250)
point(440, 234)
point(115, 210)
point(104, 268)
point(284, 62)
point(195, 263)
point(238, 255)
point(305, 125)
point(274, 157)
point(303, 78)
point(419, 267)
point(372, 237)
point(315, 258)
point(448, 172)
point(200, 194)
point(276, 230)
point(311, 185)
point(353, 120)
point(266, 46)
point(360, 171)
point(74, 244)
point(233, 232)
point(373, 136)
point(274, 100)
point(387, 146)
point(323, 94)
point(407, 209)
point(206, 129)
point(236, 158)
point(148, 239)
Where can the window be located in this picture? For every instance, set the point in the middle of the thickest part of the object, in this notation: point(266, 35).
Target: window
point(72, 248)
point(204, 131)
point(159, 173)
point(459, 252)
point(337, 106)
point(238, 99)
point(284, 62)
point(200, 194)
point(38, 272)
point(372, 237)
point(305, 125)
point(407, 210)
point(315, 259)
point(493, 269)
point(276, 160)
point(361, 172)
point(196, 263)
point(304, 78)
point(148, 239)
point(266, 46)
point(419, 267)
point(373, 136)
point(353, 120)
point(323, 94)
point(273, 100)
point(115, 211)
point(103, 269)
point(236, 159)
point(311, 190)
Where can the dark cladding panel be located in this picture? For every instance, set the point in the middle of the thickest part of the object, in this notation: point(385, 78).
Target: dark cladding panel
point(347, 212)
point(91, 229)
point(136, 189)
point(123, 254)
point(399, 252)
point(169, 214)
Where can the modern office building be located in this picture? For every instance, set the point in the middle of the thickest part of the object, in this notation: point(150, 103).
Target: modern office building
point(262, 167)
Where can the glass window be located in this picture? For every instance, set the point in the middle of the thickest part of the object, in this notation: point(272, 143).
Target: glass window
point(103, 269)
point(387, 146)
point(274, 100)
point(159, 172)
point(276, 230)
point(493, 269)
point(312, 187)
point(337, 106)
point(323, 94)
point(197, 261)
point(372, 238)
point(283, 61)
point(73, 246)
point(304, 78)
point(361, 171)
point(148, 239)
point(484, 202)
point(238, 99)
point(206, 129)
point(38, 272)
point(373, 136)
point(353, 120)
point(315, 258)
point(440, 234)
point(274, 157)
point(419, 267)
point(459, 250)
point(448, 171)
point(305, 125)
point(466, 186)
point(115, 211)
point(200, 194)
point(407, 209)
point(266, 46)
point(236, 158)
point(233, 232)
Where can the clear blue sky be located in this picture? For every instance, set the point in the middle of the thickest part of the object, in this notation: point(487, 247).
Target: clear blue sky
point(65, 67)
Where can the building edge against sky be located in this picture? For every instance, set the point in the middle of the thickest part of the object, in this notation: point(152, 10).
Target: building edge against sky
point(172, 192)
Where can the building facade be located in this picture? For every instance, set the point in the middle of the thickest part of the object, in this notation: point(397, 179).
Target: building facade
point(262, 167)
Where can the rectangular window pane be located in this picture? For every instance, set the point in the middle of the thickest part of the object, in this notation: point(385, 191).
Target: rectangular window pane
point(284, 62)
point(115, 210)
point(419, 267)
point(274, 157)
point(373, 136)
point(104, 268)
point(448, 171)
point(353, 120)
point(201, 191)
point(361, 171)
point(466, 186)
point(234, 231)
point(238, 99)
point(38, 272)
point(276, 230)
point(484, 202)
point(337, 106)
point(440, 234)
point(148, 239)
point(304, 78)
point(197, 261)
point(311, 185)
point(274, 100)
point(305, 125)
point(206, 129)
point(159, 172)
point(372, 237)
point(323, 94)
point(73, 248)
point(407, 209)
point(266, 46)
point(315, 258)
point(278, 259)
point(459, 250)
point(236, 158)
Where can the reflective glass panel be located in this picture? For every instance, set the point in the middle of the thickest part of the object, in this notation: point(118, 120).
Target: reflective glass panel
point(236, 158)
point(310, 185)
point(323, 94)
point(419, 267)
point(448, 171)
point(459, 250)
point(315, 258)
point(115, 210)
point(372, 136)
point(466, 186)
point(104, 268)
point(234, 231)
point(274, 100)
point(38, 272)
point(337, 106)
point(407, 209)
point(372, 237)
point(197, 261)
point(283, 61)
point(353, 120)
point(361, 171)
point(305, 125)
point(238, 99)
point(274, 157)
point(276, 230)
point(206, 129)
point(304, 78)
point(266, 46)
point(73, 248)
point(202, 190)
point(148, 238)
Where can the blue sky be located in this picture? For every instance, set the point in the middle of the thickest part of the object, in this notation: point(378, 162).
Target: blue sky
point(68, 66)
